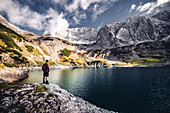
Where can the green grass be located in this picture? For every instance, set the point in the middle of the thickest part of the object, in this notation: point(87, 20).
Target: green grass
point(20, 60)
point(41, 88)
point(9, 46)
point(40, 63)
point(65, 52)
point(29, 48)
point(17, 53)
point(11, 33)
point(7, 36)
point(147, 61)
point(5, 86)
point(7, 64)
point(51, 63)
point(152, 60)
point(14, 54)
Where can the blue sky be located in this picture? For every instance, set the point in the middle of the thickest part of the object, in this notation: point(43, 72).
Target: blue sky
point(55, 16)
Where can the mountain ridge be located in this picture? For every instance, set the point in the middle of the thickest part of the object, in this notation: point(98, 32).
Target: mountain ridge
point(136, 29)
point(13, 27)
point(133, 39)
point(83, 35)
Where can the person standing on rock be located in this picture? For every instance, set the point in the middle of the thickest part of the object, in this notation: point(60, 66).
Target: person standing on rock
point(46, 70)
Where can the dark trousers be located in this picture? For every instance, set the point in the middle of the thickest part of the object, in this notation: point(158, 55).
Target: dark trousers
point(46, 74)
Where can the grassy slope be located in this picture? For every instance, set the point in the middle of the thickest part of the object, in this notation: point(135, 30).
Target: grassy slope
point(11, 44)
point(8, 46)
point(13, 51)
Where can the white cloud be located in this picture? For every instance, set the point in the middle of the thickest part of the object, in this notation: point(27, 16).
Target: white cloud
point(151, 6)
point(84, 4)
point(23, 15)
point(100, 26)
point(77, 21)
point(55, 23)
point(162, 2)
point(98, 11)
point(146, 6)
point(61, 2)
point(77, 8)
point(73, 6)
point(133, 6)
point(78, 17)
point(96, 6)
point(52, 21)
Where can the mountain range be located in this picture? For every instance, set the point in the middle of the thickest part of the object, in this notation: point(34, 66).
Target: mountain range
point(134, 30)
point(139, 39)
point(84, 35)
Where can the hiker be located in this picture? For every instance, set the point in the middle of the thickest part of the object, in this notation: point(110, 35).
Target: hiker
point(46, 70)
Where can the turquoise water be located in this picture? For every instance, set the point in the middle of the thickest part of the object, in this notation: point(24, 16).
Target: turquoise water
point(122, 89)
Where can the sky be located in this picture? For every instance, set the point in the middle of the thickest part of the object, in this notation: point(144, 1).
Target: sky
point(55, 16)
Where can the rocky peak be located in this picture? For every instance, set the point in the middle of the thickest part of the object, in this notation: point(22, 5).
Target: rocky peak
point(84, 35)
point(134, 30)
point(163, 15)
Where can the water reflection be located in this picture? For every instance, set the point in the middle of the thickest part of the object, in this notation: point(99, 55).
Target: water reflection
point(127, 90)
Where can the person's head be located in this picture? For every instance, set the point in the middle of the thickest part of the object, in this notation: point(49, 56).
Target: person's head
point(46, 60)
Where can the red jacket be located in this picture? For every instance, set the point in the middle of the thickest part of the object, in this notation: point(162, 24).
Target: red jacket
point(45, 67)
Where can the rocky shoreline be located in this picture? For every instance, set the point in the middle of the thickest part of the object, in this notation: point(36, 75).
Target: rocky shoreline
point(43, 98)
point(12, 75)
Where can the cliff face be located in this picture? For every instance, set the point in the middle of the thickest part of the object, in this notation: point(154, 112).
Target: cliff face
point(150, 49)
point(134, 30)
point(136, 38)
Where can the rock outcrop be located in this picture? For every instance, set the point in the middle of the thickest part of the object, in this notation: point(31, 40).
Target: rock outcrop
point(134, 30)
point(149, 49)
point(137, 38)
point(44, 98)
point(11, 75)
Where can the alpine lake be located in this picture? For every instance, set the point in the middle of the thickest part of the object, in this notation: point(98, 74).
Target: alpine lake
point(121, 89)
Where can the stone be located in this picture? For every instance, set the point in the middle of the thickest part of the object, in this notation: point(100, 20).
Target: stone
point(51, 101)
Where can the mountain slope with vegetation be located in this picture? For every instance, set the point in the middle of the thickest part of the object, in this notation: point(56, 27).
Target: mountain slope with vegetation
point(137, 41)
point(10, 52)
point(18, 50)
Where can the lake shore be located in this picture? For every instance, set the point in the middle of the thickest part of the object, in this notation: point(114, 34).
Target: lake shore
point(10, 75)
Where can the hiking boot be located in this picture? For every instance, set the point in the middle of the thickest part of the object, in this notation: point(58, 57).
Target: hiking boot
point(44, 82)
point(47, 82)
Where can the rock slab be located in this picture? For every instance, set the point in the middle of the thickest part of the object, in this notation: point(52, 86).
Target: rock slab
point(44, 98)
